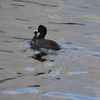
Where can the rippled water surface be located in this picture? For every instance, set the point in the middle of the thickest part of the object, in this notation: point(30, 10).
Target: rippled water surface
point(72, 73)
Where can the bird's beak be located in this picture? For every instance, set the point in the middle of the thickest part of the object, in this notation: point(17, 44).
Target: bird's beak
point(36, 31)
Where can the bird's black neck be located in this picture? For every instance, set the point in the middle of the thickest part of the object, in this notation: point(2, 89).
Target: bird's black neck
point(41, 35)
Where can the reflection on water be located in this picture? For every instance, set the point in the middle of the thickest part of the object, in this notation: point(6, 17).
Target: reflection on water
point(21, 19)
point(18, 5)
point(1, 81)
point(76, 73)
point(36, 74)
point(30, 69)
point(7, 41)
point(39, 56)
point(7, 51)
point(33, 85)
point(49, 64)
point(69, 96)
point(30, 27)
point(67, 23)
point(94, 55)
point(2, 31)
point(53, 73)
point(36, 3)
point(15, 37)
point(21, 91)
point(1, 69)
point(73, 72)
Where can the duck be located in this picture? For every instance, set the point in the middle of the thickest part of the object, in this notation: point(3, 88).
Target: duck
point(39, 41)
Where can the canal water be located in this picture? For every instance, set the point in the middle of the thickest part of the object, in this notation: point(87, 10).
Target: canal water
point(72, 73)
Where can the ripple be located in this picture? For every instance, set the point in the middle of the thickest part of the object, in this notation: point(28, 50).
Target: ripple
point(45, 65)
point(30, 69)
point(17, 5)
point(1, 81)
point(79, 72)
point(36, 3)
point(6, 51)
point(94, 55)
point(2, 31)
point(70, 46)
point(69, 96)
point(26, 43)
point(69, 23)
point(63, 46)
point(22, 91)
point(8, 41)
point(41, 73)
point(50, 64)
point(39, 56)
point(85, 36)
point(41, 53)
point(53, 73)
point(21, 19)
point(14, 37)
point(1, 68)
point(30, 27)
point(34, 85)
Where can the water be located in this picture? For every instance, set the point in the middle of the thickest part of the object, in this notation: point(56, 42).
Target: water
point(21, 91)
point(69, 95)
point(72, 73)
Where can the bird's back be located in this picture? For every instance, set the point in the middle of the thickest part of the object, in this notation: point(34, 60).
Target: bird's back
point(46, 43)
